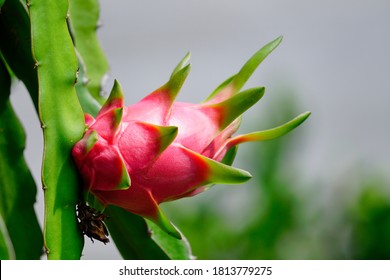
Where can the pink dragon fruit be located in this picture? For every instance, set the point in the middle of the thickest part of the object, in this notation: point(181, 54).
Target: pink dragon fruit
point(159, 150)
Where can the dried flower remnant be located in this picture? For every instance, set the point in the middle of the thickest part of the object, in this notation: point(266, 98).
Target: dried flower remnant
point(91, 223)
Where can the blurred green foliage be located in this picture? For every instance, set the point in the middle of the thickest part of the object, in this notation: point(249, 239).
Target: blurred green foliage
point(280, 216)
point(370, 222)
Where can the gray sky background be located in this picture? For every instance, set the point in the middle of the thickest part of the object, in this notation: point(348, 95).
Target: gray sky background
point(334, 58)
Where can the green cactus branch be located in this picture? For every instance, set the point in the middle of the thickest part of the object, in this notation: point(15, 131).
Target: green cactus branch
point(15, 45)
point(84, 15)
point(6, 249)
point(20, 230)
point(88, 103)
point(62, 122)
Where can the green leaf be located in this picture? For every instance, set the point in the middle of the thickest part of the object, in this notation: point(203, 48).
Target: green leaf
point(62, 122)
point(20, 230)
point(15, 45)
point(137, 239)
point(84, 15)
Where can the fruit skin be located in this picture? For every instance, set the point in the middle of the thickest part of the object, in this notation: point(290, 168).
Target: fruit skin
point(159, 150)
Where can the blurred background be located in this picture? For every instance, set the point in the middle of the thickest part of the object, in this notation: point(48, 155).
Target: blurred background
point(320, 192)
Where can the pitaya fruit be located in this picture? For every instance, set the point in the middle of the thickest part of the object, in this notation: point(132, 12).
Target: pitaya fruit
point(159, 150)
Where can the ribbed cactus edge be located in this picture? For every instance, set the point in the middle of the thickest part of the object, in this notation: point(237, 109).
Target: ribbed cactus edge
point(62, 123)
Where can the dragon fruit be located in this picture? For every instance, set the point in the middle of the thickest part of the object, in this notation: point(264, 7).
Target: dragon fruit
point(159, 150)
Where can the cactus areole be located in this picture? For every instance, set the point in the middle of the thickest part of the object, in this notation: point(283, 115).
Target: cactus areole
point(159, 150)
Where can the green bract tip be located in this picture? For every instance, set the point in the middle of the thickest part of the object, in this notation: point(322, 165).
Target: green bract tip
point(181, 64)
point(116, 92)
point(167, 135)
point(164, 223)
point(176, 81)
point(125, 181)
point(117, 116)
point(92, 138)
point(270, 133)
point(251, 65)
point(233, 107)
